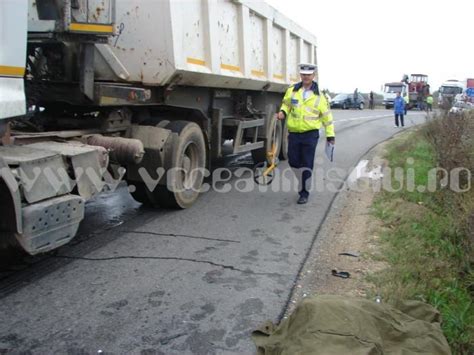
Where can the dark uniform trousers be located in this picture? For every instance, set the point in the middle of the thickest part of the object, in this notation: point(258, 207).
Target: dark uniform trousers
point(301, 150)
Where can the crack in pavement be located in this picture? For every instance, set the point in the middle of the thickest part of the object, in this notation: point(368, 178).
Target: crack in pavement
point(180, 235)
point(166, 340)
point(230, 267)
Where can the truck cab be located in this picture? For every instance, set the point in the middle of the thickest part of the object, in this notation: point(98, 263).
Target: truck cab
point(390, 92)
point(448, 92)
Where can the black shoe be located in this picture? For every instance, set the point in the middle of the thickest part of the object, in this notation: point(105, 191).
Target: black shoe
point(302, 200)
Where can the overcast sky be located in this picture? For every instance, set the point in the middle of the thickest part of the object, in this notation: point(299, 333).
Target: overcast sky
point(365, 43)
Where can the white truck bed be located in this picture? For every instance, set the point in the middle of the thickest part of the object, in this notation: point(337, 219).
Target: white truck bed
point(211, 43)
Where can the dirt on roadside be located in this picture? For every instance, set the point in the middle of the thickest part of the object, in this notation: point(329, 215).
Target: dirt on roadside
point(348, 242)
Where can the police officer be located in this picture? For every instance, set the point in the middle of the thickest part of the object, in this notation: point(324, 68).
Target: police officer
point(306, 111)
point(429, 103)
point(406, 98)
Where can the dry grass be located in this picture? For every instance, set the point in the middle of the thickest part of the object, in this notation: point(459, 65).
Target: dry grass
point(429, 237)
point(452, 136)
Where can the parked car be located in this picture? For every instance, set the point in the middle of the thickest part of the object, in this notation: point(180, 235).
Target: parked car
point(461, 106)
point(346, 101)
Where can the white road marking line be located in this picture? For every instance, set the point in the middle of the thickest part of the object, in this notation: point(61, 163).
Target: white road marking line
point(362, 118)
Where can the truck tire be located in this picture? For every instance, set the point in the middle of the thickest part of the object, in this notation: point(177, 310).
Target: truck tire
point(184, 184)
point(260, 155)
point(284, 143)
point(361, 106)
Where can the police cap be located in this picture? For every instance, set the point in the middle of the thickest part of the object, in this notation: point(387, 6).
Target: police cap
point(307, 68)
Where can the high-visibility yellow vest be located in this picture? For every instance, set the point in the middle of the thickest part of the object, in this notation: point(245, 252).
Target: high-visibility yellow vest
point(429, 100)
point(306, 115)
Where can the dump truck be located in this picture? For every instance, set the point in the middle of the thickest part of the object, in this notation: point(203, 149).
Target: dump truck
point(99, 91)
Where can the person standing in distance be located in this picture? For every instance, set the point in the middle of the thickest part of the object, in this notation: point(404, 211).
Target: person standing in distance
point(305, 111)
point(399, 109)
point(355, 98)
point(371, 100)
point(429, 103)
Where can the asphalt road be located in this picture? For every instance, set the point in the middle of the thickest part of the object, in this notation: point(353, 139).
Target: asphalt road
point(137, 280)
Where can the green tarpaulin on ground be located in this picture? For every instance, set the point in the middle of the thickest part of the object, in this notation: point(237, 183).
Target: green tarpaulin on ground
point(346, 325)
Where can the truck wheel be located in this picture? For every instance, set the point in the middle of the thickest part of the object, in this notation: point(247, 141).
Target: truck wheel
point(186, 174)
point(361, 106)
point(260, 155)
point(284, 143)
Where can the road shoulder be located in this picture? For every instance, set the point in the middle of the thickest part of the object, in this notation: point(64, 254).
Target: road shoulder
point(348, 242)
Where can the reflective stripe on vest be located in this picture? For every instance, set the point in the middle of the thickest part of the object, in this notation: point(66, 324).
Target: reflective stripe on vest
point(314, 110)
point(316, 102)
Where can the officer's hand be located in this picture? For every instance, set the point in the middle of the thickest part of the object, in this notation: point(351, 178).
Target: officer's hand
point(280, 115)
point(331, 140)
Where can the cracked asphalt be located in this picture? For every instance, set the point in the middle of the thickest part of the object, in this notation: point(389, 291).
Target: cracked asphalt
point(198, 281)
